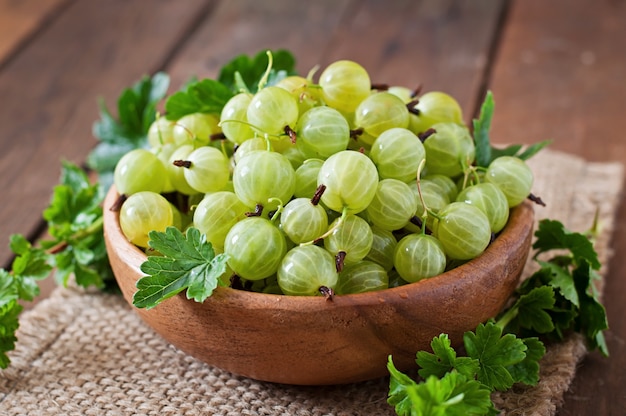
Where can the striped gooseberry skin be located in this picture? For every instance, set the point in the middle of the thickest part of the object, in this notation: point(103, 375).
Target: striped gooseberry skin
point(322, 132)
point(435, 107)
point(380, 112)
point(271, 109)
point(306, 178)
point(449, 150)
point(208, 171)
point(305, 269)
point(353, 236)
point(393, 205)
point(463, 230)
point(383, 247)
point(344, 85)
point(302, 221)
point(216, 214)
point(234, 120)
point(264, 177)
point(139, 170)
point(364, 276)
point(419, 256)
point(513, 176)
point(255, 248)
point(490, 200)
point(397, 154)
point(143, 212)
point(351, 180)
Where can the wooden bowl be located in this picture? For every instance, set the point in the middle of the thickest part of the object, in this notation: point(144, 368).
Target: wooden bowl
point(312, 341)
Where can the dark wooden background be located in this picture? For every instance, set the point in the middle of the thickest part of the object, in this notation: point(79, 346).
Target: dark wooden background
point(557, 69)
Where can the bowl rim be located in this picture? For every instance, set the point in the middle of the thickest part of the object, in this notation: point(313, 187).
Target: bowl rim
point(520, 217)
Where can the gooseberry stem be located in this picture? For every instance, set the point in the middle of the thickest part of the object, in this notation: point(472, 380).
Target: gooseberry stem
point(266, 75)
point(182, 163)
point(426, 134)
point(318, 194)
point(258, 210)
point(278, 209)
point(424, 215)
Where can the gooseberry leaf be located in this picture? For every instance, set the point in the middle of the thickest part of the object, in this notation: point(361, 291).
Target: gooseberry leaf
point(485, 151)
point(552, 235)
point(452, 394)
point(204, 96)
point(527, 370)
point(188, 262)
point(495, 353)
point(136, 109)
point(444, 359)
point(481, 131)
point(248, 70)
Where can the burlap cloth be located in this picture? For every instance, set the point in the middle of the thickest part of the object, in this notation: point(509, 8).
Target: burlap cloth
point(89, 354)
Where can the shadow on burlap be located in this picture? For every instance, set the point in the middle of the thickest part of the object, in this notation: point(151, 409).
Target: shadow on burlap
point(89, 354)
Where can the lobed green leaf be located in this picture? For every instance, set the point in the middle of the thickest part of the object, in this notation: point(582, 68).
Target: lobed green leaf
point(444, 359)
point(552, 235)
point(205, 96)
point(495, 352)
point(188, 261)
point(249, 70)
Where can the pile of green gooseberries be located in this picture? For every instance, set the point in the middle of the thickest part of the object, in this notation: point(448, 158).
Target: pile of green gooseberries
point(328, 187)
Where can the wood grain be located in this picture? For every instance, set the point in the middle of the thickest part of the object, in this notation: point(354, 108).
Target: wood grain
point(441, 45)
point(21, 19)
point(560, 75)
point(93, 49)
point(304, 28)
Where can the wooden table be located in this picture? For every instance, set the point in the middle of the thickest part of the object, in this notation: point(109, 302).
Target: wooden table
point(557, 70)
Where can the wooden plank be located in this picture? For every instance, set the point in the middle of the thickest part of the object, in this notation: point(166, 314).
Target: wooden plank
point(19, 20)
point(442, 45)
point(50, 91)
point(560, 75)
point(564, 62)
point(248, 27)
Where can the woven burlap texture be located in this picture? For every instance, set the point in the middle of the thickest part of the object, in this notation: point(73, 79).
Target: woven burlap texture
point(89, 354)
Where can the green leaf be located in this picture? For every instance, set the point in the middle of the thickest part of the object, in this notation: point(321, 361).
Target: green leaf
point(532, 150)
point(8, 288)
point(74, 219)
point(188, 262)
point(481, 131)
point(29, 262)
point(552, 235)
point(495, 352)
point(75, 203)
point(9, 314)
point(205, 96)
point(485, 151)
point(562, 280)
point(453, 394)
point(398, 384)
point(592, 319)
point(136, 108)
point(250, 70)
point(9, 324)
point(533, 309)
point(444, 359)
point(527, 370)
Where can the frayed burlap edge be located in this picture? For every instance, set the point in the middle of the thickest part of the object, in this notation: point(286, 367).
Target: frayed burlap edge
point(88, 354)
